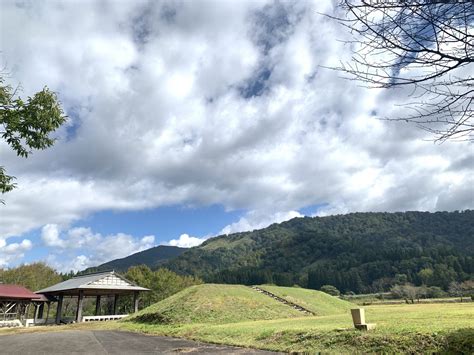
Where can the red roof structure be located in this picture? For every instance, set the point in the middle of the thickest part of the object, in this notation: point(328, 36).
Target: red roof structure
point(15, 292)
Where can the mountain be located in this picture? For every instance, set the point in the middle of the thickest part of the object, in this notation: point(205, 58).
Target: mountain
point(153, 257)
point(359, 252)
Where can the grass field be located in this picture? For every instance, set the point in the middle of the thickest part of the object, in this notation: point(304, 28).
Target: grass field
point(316, 301)
point(414, 328)
point(210, 303)
point(238, 315)
point(400, 328)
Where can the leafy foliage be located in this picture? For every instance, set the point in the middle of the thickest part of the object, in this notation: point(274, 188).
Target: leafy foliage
point(460, 342)
point(27, 124)
point(162, 283)
point(33, 276)
point(359, 252)
point(330, 290)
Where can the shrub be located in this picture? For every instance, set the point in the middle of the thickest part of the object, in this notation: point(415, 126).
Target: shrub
point(330, 290)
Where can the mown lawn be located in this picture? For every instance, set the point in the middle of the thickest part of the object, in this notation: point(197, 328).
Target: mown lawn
point(400, 328)
point(424, 328)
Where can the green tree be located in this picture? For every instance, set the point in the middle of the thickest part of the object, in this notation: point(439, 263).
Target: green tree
point(467, 288)
point(426, 275)
point(34, 276)
point(407, 292)
point(162, 282)
point(330, 290)
point(26, 125)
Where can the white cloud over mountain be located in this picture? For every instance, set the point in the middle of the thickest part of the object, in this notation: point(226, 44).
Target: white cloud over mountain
point(257, 220)
point(186, 241)
point(79, 248)
point(180, 103)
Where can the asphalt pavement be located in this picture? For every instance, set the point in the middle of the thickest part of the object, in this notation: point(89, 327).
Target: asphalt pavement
point(107, 342)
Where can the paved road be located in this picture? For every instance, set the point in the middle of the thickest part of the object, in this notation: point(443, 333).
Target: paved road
point(107, 342)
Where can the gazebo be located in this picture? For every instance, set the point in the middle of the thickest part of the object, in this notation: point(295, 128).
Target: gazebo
point(93, 285)
point(14, 302)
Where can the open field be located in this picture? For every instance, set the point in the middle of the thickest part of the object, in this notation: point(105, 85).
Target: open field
point(400, 328)
point(374, 299)
point(318, 302)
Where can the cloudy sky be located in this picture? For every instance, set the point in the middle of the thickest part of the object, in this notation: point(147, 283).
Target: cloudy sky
point(190, 119)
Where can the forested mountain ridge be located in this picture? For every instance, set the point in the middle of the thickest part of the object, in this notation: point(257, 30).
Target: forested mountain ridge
point(359, 252)
point(152, 257)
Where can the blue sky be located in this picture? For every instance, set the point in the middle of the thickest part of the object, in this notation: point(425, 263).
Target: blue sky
point(191, 119)
point(170, 222)
point(168, 225)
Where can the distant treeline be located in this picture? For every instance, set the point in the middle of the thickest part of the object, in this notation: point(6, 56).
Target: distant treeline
point(162, 283)
point(358, 252)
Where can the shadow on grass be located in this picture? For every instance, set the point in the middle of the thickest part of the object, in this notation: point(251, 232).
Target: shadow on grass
point(150, 318)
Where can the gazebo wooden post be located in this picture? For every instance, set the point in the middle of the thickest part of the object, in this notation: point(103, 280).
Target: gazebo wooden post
point(59, 309)
point(41, 310)
point(25, 310)
point(80, 301)
point(36, 314)
point(116, 296)
point(47, 313)
point(97, 306)
point(135, 301)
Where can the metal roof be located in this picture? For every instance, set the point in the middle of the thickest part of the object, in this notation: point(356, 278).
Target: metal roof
point(109, 281)
point(17, 292)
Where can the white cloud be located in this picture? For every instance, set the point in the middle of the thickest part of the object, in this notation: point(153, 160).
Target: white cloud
point(13, 251)
point(185, 241)
point(18, 247)
point(93, 248)
point(50, 236)
point(158, 97)
point(259, 219)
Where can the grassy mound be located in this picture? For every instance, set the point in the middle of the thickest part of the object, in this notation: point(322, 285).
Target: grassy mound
point(210, 303)
point(318, 302)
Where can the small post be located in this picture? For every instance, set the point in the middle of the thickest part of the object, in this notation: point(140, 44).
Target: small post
point(47, 313)
point(135, 301)
point(36, 316)
point(41, 310)
point(59, 309)
point(97, 306)
point(25, 314)
point(358, 316)
point(80, 300)
point(116, 297)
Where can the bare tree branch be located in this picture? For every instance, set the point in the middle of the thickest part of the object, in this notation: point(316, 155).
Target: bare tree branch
point(425, 44)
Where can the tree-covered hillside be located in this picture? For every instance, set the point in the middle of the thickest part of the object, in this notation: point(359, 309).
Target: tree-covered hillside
point(359, 252)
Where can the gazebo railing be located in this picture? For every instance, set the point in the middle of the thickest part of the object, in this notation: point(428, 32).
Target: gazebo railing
point(103, 318)
point(10, 323)
point(13, 309)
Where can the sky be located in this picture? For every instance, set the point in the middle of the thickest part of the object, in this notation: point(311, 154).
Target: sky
point(190, 119)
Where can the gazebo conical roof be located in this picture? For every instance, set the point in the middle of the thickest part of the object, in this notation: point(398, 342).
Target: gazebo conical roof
point(101, 283)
